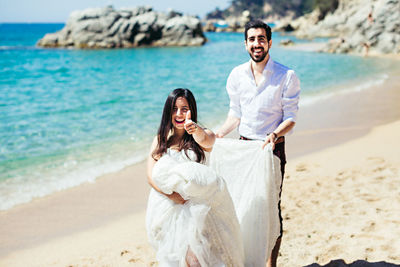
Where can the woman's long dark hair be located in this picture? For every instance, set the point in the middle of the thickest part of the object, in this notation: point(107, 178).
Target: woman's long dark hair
point(163, 134)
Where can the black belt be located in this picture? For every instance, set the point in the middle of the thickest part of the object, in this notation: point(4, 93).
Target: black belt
point(280, 139)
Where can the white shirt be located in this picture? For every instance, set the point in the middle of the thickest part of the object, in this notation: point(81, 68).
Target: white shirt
point(262, 108)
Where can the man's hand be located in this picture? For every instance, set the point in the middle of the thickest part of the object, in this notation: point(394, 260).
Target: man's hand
point(190, 126)
point(219, 135)
point(229, 125)
point(271, 138)
point(175, 197)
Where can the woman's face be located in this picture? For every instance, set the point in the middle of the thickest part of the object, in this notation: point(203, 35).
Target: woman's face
point(180, 109)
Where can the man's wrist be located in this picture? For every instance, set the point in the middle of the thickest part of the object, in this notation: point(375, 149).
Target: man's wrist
point(275, 136)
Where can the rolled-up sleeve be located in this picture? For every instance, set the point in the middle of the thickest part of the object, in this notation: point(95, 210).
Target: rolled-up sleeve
point(234, 96)
point(290, 97)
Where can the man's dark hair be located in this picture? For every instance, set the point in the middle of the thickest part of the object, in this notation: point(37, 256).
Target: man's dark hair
point(257, 24)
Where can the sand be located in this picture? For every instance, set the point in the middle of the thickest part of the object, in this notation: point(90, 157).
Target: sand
point(341, 197)
point(344, 202)
point(319, 46)
point(308, 47)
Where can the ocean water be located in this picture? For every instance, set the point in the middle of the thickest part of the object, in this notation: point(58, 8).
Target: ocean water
point(69, 116)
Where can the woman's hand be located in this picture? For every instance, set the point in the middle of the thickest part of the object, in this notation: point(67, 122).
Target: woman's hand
point(175, 197)
point(190, 126)
point(204, 137)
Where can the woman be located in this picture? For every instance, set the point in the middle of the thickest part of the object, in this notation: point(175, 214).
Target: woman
point(190, 216)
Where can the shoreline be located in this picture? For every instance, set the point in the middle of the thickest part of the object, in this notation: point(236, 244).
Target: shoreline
point(121, 197)
point(344, 116)
point(317, 46)
point(95, 172)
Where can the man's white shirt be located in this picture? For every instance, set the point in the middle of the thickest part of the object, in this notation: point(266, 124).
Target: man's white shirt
point(261, 108)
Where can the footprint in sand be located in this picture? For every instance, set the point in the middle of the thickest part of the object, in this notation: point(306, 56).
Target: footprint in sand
point(379, 178)
point(369, 250)
point(341, 176)
point(379, 168)
point(301, 167)
point(376, 159)
point(133, 260)
point(369, 228)
point(124, 252)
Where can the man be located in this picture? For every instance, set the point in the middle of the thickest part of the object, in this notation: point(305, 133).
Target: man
point(264, 98)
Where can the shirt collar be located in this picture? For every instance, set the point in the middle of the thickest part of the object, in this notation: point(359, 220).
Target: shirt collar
point(270, 65)
point(248, 69)
point(267, 69)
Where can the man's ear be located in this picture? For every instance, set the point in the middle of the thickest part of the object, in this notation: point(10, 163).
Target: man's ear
point(269, 44)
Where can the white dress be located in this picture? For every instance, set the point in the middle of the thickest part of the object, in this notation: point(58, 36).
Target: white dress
point(253, 178)
point(206, 223)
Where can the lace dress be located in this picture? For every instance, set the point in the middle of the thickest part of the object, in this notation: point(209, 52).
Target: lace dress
point(253, 178)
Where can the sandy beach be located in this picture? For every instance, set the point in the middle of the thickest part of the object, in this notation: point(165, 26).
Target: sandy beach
point(318, 46)
point(341, 197)
point(308, 47)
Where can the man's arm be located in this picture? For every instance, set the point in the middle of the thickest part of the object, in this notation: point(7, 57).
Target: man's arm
point(290, 101)
point(229, 125)
point(281, 130)
point(233, 119)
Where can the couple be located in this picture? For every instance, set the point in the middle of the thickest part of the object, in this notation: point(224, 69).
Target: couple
point(223, 208)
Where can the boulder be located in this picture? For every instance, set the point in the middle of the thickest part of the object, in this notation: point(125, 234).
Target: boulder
point(209, 26)
point(363, 25)
point(126, 27)
point(286, 42)
point(284, 25)
point(237, 23)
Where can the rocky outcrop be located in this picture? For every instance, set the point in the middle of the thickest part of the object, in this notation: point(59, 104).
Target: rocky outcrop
point(286, 42)
point(234, 23)
point(290, 25)
point(209, 26)
point(127, 27)
point(359, 26)
point(237, 23)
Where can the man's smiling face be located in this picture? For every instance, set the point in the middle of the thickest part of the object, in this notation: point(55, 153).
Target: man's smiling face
point(257, 44)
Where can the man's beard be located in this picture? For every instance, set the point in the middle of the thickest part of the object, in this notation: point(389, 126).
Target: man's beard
point(260, 58)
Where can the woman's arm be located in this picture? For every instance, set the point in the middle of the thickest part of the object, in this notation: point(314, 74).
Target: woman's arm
point(204, 137)
point(150, 164)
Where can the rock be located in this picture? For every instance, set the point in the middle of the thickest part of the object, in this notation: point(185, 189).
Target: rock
point(209, 26)
point(237, 23)
point(171, 13)
point(285, 27)
point(127, 27)
point(175, 32)
point(230, 24)
point(286, 42)
point(287, 24)
point(365, 25)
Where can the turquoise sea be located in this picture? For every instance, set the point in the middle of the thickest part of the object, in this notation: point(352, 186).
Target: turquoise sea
point(69, 116)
